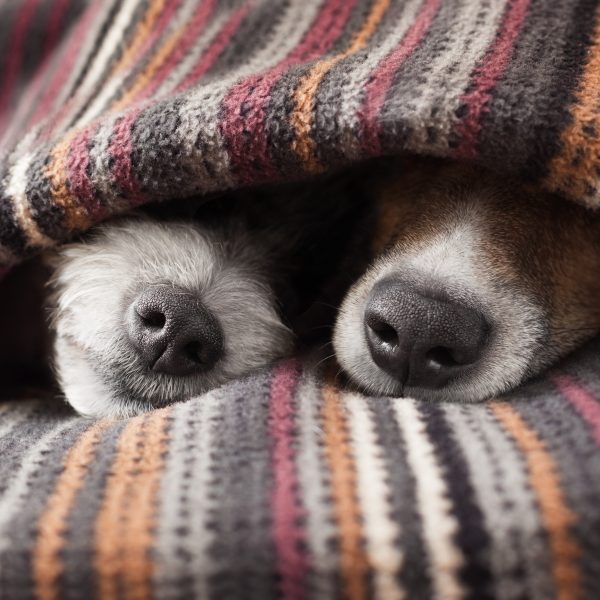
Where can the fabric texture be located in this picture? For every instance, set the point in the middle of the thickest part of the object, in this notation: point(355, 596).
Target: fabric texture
point(281, 484)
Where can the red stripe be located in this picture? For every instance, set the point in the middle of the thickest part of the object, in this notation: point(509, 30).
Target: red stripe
point(288, 534)
point(379, 84)
point(55, 21)
point(80, 183)
point(63, 71)
point(587, 406)
point(245, 105)
point(486, 76)
point(14, 54)
point(215, 49)
point(120, 149)
point(193, 30)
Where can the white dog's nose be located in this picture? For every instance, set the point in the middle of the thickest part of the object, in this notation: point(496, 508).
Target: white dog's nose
point(173, 332)
point(419, 339)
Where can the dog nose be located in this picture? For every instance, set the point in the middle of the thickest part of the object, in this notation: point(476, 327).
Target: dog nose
point(173, 332)
point(419, 339)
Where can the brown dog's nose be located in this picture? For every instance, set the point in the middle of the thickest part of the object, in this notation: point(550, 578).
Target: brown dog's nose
point(173, 332)
point(420, 340)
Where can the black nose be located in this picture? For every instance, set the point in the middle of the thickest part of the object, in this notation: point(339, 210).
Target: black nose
point(173, 332)
point(419, 338)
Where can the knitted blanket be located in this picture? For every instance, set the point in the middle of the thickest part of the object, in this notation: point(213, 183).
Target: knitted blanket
point(282, 485)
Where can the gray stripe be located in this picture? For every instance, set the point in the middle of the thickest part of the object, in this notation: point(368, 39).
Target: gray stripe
point(529, 106)
point(14, 448)
point(242, 550)
point(342, 92)
point(13, 415)
point(203, 158)
point(403, 113)
point(187, 502)
point(518, 555)
point(78, 553)
point(23, 502)
point(568, 439)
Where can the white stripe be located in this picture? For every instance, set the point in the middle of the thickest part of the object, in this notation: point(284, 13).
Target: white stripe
point(91, 37)
point(439, 525)
point(181, 70)
point(101, 62)
point(116, 82)
point(381, 531)
point(314, 491)
point(505, 496)
point(13, 414)
point(16, 189)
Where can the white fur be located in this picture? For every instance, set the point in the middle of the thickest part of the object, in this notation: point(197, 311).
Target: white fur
point(96, 281)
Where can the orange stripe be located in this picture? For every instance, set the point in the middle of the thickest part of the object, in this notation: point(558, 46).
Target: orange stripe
point(556, 515)
point(142, 31)
point(126, 520)
point(354, 563)
point(48, 564)
point(76, 217)
point(575, 168)
point(145, 77)
point(304, 96)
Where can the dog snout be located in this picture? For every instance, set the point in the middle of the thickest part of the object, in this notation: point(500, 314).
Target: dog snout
point(421, 338)
point(173, 332)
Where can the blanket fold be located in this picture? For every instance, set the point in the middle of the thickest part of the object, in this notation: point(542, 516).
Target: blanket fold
point(141, 101)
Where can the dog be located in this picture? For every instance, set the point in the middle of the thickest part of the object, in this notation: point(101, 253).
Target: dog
point(165, 304)
point(474, 284)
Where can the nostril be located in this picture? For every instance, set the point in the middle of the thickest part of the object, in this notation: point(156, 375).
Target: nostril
point(154, 319)
point(385, 332)
point(443, 357)
point(193, 351)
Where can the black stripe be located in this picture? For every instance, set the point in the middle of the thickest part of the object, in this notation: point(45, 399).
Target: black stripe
point(471, 536)
point(416, 569)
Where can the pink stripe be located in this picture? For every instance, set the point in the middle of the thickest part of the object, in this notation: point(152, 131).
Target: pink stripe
point(288, 534)
point(379, 85)
point(77, 168)
point(215, 49)
point(15, 54)
point(587, 406)
point(245, 105)
point(486, 76)
point(193, 30)
point(120, 149)
point(54, 24)
point(64, 70)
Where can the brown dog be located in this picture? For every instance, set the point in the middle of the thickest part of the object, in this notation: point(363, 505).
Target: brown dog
point(475, 284)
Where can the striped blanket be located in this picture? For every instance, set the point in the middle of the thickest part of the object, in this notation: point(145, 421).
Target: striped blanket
point(282, 485)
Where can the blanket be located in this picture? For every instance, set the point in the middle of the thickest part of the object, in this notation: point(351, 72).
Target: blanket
point(281, 484)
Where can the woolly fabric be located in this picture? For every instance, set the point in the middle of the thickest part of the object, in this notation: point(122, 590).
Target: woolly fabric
point(281, 485)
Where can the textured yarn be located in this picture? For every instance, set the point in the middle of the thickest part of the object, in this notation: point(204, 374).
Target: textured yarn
point(282, 485)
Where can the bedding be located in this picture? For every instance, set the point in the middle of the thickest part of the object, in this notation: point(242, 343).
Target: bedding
point(284, 484)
